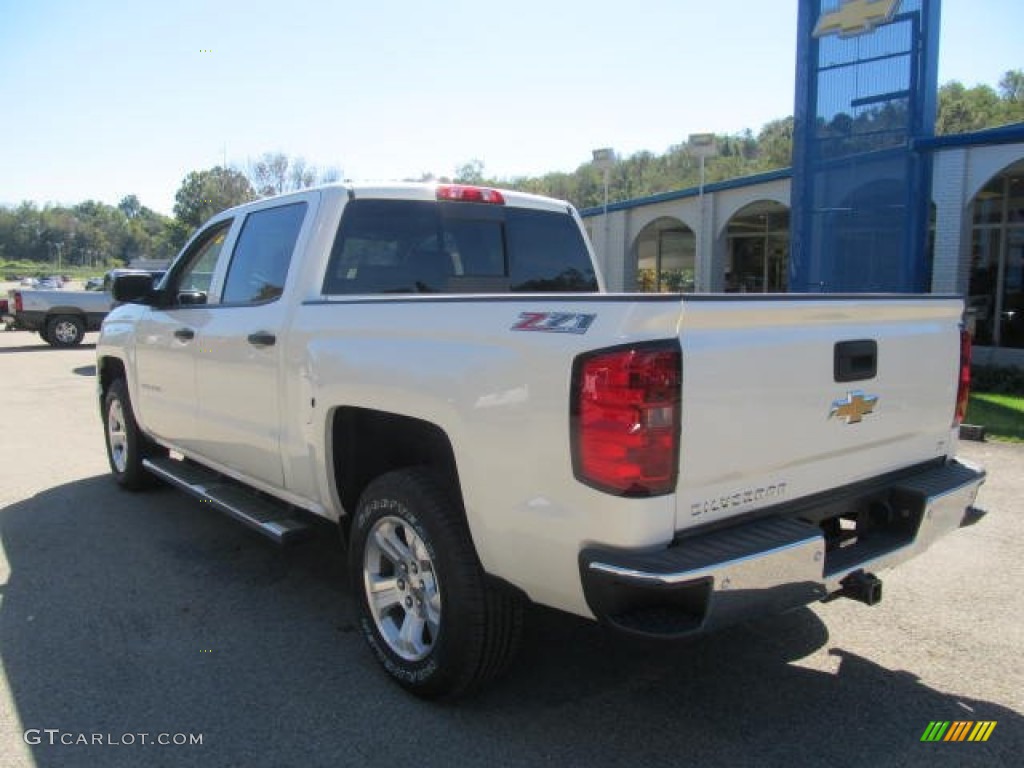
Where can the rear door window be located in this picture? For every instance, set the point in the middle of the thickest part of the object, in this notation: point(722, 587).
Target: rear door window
point(404, 246)
point(548, 253)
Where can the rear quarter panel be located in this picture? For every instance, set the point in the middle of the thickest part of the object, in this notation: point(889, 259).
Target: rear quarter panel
point(502, 397)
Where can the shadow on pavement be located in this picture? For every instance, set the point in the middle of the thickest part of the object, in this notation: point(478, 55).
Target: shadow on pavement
point(146, 613)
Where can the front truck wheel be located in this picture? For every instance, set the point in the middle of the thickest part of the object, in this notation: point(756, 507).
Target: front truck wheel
point(126, 445)
point(424, 605)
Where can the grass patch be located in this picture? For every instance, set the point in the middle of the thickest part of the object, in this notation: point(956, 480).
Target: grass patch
point(1001, 415)
point(10, 270)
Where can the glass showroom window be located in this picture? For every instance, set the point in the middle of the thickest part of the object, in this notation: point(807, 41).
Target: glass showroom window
point(997, 261)
point(666, 255)
point(758, 238)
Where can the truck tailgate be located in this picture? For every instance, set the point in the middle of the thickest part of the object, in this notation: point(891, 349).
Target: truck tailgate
point(789, 396)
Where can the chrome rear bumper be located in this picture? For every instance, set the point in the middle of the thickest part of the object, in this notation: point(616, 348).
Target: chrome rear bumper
point(772, 563)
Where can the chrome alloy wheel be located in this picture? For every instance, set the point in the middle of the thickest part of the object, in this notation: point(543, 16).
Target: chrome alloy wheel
point(66, 332)
point(401, 588)
point(117, 434)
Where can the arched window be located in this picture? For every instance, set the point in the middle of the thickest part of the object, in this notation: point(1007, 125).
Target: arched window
point(666, 256)
point(758, 242)
point(996, 293)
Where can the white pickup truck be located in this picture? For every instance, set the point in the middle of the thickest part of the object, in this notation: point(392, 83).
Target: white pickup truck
point(438, 370)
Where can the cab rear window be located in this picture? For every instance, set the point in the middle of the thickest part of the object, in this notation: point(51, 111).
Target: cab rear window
point(406, 246)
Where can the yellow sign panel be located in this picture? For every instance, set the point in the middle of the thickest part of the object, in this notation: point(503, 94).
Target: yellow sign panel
point(856, 17)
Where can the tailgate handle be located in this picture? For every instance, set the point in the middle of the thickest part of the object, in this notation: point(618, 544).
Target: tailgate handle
point(855, 360)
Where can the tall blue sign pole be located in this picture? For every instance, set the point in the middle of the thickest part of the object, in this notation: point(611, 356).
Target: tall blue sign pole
point(866, 88)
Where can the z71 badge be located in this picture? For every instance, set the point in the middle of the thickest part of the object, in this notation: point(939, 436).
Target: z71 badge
point(554, 322)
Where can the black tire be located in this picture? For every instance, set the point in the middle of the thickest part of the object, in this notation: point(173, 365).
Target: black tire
point(126, 445)
point(463, 631)
point(65, 331)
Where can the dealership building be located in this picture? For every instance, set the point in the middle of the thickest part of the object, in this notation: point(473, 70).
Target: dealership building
point(734, 236)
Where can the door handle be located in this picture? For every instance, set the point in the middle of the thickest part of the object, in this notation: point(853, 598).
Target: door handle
point(262, 339)
point(184, 334)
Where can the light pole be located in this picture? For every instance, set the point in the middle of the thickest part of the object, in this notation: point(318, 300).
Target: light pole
point(702, 145)
point(604, 159)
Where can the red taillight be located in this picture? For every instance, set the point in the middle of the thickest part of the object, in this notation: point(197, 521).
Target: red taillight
point(625, 419)
point(963, 390)
point(464, 194)
point(18, 307)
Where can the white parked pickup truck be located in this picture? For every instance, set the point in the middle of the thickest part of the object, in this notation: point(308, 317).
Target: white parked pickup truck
point(438, 370)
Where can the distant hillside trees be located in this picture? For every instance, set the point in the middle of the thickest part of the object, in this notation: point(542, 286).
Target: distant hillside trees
point(962, 110)
point(90, 234)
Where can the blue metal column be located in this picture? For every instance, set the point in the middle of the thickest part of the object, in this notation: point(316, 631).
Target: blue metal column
point(866, 85)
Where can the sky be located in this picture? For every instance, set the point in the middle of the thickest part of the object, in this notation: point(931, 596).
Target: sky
point(105, 98)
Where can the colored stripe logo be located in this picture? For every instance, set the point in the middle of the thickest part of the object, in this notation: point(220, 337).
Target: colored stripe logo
point(958, 730)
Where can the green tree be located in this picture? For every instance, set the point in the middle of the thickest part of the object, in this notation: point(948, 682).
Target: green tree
point(1011, 91)
point(130, 206)
point(470, 173)
point(775, 143)
point(962, 110)
point(274, 173)
point(1011, 86)
point(205, 193)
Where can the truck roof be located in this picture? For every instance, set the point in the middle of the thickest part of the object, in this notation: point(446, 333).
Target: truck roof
point(394, 190)
point(428, 191)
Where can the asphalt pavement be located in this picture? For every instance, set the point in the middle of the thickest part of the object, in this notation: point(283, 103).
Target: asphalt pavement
point(127, 614)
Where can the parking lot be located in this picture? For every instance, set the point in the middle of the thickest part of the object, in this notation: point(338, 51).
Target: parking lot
point(126, 614)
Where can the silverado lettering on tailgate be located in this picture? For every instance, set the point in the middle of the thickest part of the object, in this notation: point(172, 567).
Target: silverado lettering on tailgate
point(738, 499)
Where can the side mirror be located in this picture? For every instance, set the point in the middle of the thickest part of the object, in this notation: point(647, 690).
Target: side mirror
point(134, 288)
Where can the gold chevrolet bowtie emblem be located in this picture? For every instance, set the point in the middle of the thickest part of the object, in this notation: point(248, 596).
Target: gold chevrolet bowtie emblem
point(854, 407)
point(856, 17)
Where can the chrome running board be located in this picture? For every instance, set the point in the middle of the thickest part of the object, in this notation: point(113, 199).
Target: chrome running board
point(273, 518)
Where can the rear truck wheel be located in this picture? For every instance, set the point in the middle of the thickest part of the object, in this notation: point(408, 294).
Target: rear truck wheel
point(65, 331)
point(126, 445)
point(424, 605)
